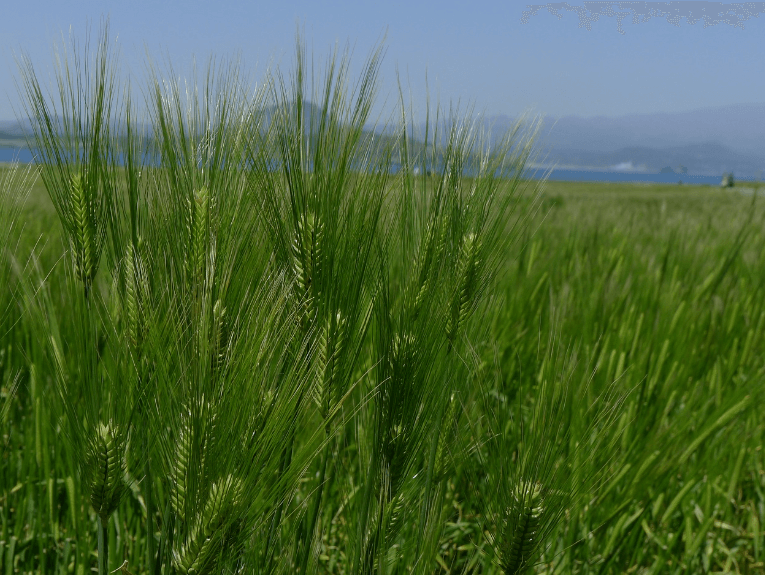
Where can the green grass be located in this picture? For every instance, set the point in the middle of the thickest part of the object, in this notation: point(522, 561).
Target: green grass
point(658, 289)
point(213, 366)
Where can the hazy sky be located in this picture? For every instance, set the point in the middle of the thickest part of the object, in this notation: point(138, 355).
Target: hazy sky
point(477, 52)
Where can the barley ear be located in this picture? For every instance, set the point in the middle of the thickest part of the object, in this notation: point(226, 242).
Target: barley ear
point(208, 537)
point(135, 292)
point(306, 260)
point(467, 278)
point(198, 231)
point(403, 353)
point(331, 344)
point(219, 336)
point(84, 237)
point(430, 253)
point(403, 360)
point(180, 467)
point(195, 437)
point(106, 467)
point(444, 433)
point(521, 532)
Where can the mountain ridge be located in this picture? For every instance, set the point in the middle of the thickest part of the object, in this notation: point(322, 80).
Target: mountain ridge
point(740, 127)
point(706, 141)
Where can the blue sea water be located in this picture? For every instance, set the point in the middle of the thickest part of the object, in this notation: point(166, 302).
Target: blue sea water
point(605, 176)
point(24, 155)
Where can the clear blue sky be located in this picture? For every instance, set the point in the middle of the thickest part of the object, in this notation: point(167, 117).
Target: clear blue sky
point(477, 52)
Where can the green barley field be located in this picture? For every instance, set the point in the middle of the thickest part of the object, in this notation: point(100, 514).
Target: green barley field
point(238, 334)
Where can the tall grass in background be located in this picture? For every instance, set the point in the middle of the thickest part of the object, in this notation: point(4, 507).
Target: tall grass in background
point(14, 187)
point(269, 340)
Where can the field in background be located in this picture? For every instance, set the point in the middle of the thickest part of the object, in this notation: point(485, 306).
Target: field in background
point(657, 292)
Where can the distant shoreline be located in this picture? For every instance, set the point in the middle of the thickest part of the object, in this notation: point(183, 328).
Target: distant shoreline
point(9, 154)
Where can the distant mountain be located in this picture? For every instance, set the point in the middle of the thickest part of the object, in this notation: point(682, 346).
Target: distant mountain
point(12, 133)
point(707, 141)
point(14, 128)
point(741, 128)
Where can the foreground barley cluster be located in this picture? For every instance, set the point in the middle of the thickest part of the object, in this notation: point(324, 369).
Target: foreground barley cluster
point(260, 339)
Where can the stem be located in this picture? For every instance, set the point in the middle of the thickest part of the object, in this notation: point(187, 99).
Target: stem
point(365, 514)
point(165, 539)
point(149, 509)
point(283, 465)
point(431, 465)
point(429, 479)
point(314, 514)
point(373, 544)
point(103, 545)
point(313, 517)
point(148, 478)
point(286, 461)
